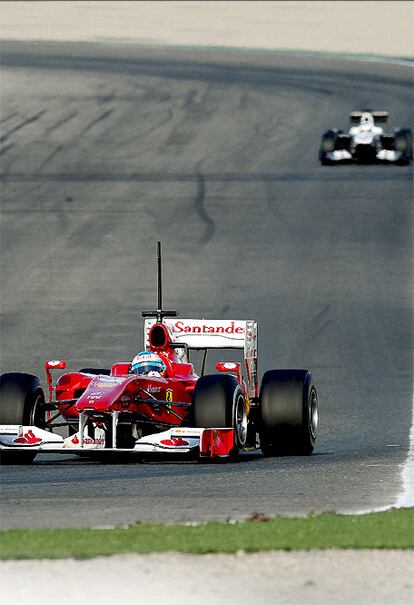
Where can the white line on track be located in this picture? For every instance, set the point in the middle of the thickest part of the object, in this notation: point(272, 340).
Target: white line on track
point(406, 498)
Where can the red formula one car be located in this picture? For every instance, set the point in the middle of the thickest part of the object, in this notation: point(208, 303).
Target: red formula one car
point(175, 411)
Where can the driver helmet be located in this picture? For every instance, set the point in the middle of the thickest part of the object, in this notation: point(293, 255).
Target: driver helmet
point(146, 362)
point(367, 121)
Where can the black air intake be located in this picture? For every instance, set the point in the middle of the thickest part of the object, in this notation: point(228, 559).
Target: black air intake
point(158, 336)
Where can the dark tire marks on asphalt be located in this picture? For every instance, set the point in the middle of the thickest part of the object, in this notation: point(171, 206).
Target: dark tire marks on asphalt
point(97, 120)
point(210, 227)
point(30, 120)
point(64, 120)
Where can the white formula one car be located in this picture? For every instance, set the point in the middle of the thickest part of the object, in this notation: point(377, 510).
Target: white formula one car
point(366, 142)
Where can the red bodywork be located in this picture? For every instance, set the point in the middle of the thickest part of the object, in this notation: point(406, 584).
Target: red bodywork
point(124, 392)
point(103, 399)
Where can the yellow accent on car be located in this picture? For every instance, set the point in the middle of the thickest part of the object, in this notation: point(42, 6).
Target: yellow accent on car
point(247, 404)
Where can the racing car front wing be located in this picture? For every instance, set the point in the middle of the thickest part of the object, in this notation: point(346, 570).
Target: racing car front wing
point(343, 155)
point(206, 442)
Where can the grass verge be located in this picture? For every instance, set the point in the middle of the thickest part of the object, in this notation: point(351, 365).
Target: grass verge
point(390, 529)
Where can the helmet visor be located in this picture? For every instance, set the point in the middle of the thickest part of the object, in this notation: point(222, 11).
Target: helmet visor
point(145, 367)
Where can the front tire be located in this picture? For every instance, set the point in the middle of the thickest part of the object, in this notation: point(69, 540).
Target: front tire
point(21, 402)
point(288, 413)
point(219, 403)
point(327, 145)
point(403, 142)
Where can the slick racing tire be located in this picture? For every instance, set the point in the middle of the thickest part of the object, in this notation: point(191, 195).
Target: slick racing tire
point(403, 142)
point(219, 403)
point(21, 402)
point(288, 413)
point(328, 144)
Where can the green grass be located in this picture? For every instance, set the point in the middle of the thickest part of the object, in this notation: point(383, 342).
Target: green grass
point(391, 529)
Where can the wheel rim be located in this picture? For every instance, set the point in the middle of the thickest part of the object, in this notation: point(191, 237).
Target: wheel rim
point(240, 417)
point(313, 413)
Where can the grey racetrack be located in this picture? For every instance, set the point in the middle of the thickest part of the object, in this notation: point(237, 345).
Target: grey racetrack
point(105, 150)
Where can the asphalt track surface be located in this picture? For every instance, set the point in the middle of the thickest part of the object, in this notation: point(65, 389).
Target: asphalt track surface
point(107, 149)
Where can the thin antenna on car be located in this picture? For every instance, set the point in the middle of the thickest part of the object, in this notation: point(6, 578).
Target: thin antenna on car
point(159, 314)
point(159, 308)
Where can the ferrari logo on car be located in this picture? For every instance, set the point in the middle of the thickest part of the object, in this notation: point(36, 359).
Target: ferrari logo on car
point(169, 395)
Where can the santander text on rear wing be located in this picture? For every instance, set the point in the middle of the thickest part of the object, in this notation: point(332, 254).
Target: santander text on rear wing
point(215, 334)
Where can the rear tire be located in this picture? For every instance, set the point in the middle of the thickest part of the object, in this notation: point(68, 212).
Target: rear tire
point(288, 413)
point(21, 402)
point(219, 403)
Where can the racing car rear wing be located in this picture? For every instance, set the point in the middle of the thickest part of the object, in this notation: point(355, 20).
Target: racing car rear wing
point(379, 116)
point(214, 334)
